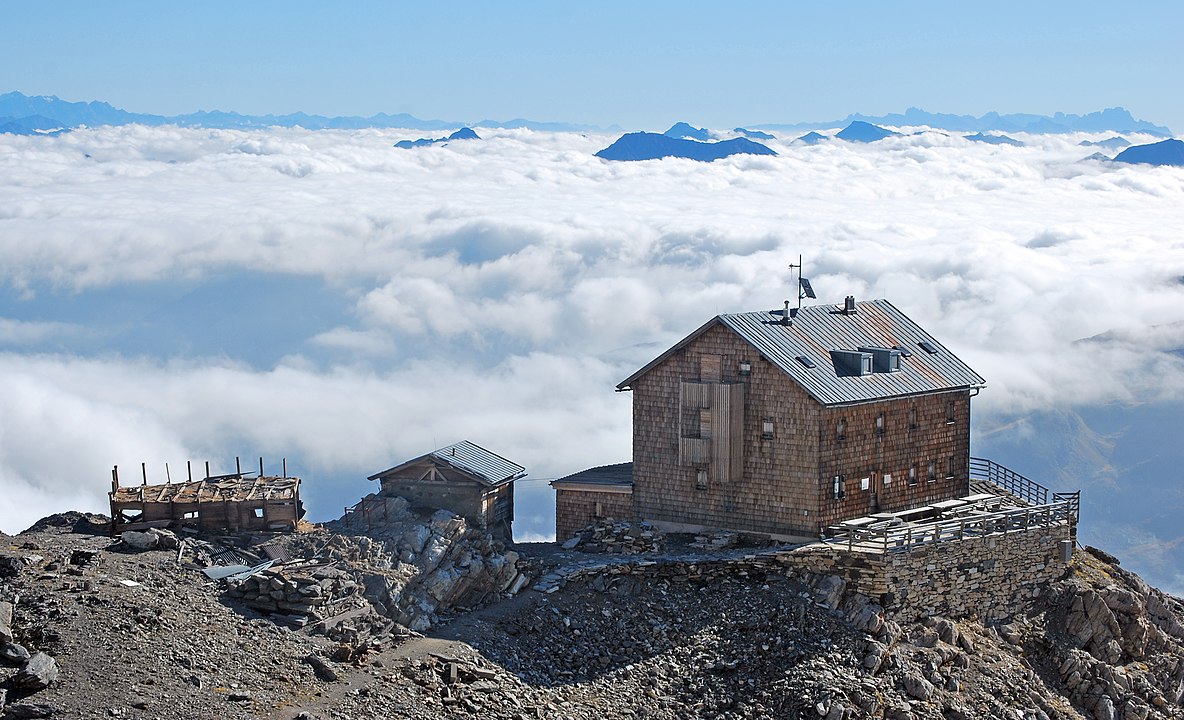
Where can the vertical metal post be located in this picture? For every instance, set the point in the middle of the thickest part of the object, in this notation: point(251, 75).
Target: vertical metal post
point(189, 469)
point(207, 469)
point(238, 468)
point(144, 472)
point(260, 466)
point(285, 462)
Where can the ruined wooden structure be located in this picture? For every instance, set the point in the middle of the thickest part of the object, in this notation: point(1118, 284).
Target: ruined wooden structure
point(789, 421)
point(215, 503)
point(463, 478)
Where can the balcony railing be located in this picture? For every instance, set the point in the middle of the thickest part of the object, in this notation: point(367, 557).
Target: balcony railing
point(1021, 487)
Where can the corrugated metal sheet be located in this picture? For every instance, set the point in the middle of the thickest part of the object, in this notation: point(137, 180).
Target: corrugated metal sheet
point(818, 329)
point(478, 461)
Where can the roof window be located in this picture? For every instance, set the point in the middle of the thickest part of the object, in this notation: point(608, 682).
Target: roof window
point(928, 347)
point(852, 362)
point(904, 351)
point(806, 361)
point(883, 359)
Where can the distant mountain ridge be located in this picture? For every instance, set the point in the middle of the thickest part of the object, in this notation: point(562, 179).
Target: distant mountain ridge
point(1115, 119)
point(15, 106)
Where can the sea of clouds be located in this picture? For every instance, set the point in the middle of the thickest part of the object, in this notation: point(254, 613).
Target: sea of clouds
point(170, 294)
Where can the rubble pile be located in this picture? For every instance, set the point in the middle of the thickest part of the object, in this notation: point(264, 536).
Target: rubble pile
point(24, 670)
point(620, 538)
point(297, 594)
point(416, 569)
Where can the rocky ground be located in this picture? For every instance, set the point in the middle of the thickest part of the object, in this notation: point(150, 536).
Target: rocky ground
point(98, 629)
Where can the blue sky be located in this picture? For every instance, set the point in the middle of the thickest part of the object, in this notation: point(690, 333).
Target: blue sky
point(641, 65)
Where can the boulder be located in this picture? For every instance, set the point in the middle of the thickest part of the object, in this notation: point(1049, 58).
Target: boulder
point(140, 541)
point(14, 654)
point(5, 622)
point(37, 674)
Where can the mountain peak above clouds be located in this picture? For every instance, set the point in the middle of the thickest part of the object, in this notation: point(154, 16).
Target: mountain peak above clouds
point(653, 146)
point(1165, 152)
point(864, 132)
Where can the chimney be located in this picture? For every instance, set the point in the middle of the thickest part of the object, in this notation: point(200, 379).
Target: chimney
point(849, 305)
point(785, 317)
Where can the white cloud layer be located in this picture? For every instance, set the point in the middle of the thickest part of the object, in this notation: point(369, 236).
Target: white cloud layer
point(500, 288)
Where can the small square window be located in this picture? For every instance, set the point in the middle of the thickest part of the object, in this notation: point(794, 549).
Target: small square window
point(191, 515)
point(598, 511)
point(887, 479)
point(839, 487)
point(913, 475)
point(912, 418)
point(701, 479)
point(841, 429)
point(931, 472)
point(949, 412)
point(258, 512)
point(865, 484)
point(950, 468)
point(880, 424)
point(767, 429)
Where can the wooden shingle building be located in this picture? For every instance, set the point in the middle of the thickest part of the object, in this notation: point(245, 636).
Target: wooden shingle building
point(787, 422)
point(464, 478)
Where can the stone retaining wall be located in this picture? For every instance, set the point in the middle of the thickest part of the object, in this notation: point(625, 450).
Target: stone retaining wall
point(988, 577)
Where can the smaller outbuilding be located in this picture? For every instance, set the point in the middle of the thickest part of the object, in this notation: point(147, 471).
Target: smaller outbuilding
point(464, 478)
point(591, 495)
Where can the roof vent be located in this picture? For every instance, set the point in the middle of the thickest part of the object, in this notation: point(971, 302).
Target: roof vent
point(852, 362)
point(849, 305)
point(883, 359)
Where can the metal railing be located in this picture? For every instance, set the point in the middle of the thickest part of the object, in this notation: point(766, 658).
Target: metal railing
point(1027, 490)
point(905, 537)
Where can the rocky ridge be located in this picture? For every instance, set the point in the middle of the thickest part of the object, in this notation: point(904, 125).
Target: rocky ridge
point(730, 635)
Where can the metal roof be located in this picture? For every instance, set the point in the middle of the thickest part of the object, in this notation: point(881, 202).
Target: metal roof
point(816, 330)
point(619, 474)
point(471, 459)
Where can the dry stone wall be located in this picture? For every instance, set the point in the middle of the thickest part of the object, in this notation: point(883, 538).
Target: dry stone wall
point(985, 577)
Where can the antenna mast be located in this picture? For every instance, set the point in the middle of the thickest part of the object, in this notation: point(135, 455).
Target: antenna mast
point(804, 288)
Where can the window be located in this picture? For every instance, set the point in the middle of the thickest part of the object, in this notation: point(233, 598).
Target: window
point(839, 487)
point(865, 484)
point(745, 367)
point(701, 479)
point(950, 468)
point(191, 515)
point(841, 429)
point(949, 412)
point(887, 479)
point(258, 512)
point(928, 347)
point(598, 511)
point(912, 475)
point(880, 424)
point(931, 472)
point(912, 418)
point(767, 429)
point(806, 361)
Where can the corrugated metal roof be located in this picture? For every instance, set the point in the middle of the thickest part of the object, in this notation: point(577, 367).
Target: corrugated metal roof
point(818, 329)
point(619, 474)
point(476, 460)
point(471, 459)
